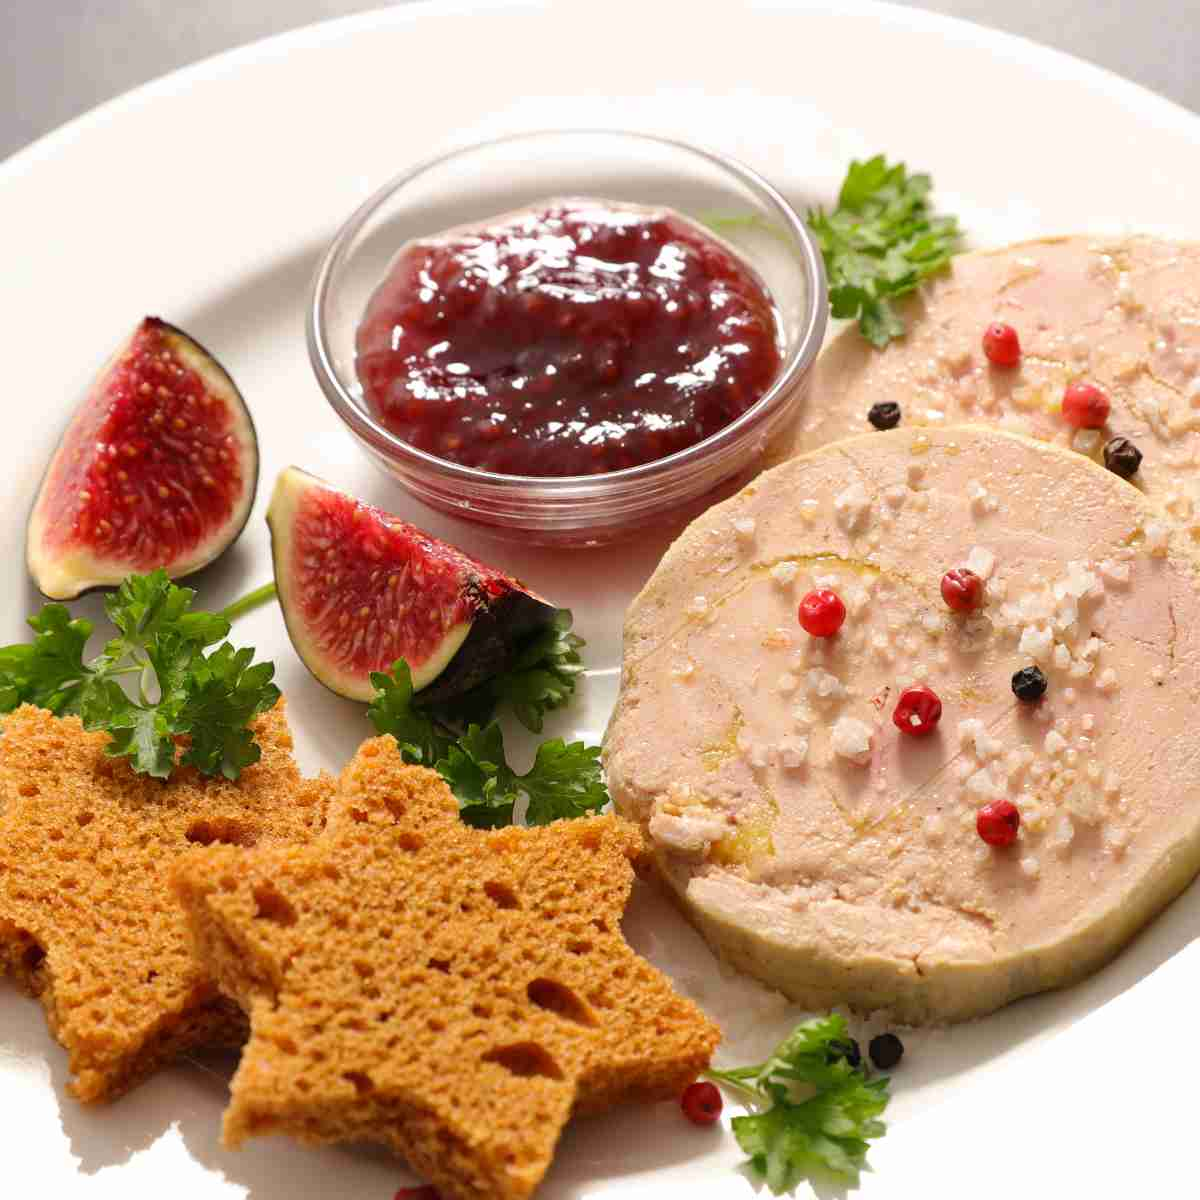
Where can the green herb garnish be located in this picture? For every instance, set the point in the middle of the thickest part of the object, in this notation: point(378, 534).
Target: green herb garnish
point(181, 691)
point(564, 781)
point(540, 679)
point(879, 243)
point(815, 1112)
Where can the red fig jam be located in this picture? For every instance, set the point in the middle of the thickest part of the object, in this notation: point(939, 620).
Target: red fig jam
point(572, 339)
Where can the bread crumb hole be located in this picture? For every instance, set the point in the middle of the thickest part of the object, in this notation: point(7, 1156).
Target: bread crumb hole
point(410, 841)
point(440, 964)
point(85, 818)
point(359, 814)
point(579, 946)
point(525, 1060)
point(273, 906)
point(501, 894)
point(28, 789)
point(365, 969)
point(33, 957)
point(557, 998)
point(362, 1082)
point(590, 839)
point(221, 830)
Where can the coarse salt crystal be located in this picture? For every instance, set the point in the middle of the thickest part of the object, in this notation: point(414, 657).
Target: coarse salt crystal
point(1055, 743)
point(1031, 866)
point(823, 684)
point(793, 751)
point(697, 607)
point(851, 506)
point(984, 785)
point(982, 561)
point(968, 729)
point(1036, 642)
point(684, 670)
point(1070, 695)
point(784, 573)
point(1087, 722)
point(744, 527)
point(1116, 572)
point(931, 623)
point(1086, 441)
point(786, 684)
point(1107, 680)
point(754, 752)
point(808, 510)
point(856, 600)
point(1156, 538)
point(851, 739)
point(1081, 668)
point(1062, 657)
point(934, 827)
point(1061, 835)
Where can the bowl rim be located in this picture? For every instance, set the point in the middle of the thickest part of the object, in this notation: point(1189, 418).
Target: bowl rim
point(381, 440)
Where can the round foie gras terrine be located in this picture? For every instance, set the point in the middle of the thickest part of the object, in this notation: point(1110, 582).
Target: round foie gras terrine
point(837, 857)
point(1120, 313)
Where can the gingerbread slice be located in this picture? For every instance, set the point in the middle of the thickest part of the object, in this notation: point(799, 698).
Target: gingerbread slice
point(452, 992)
point(87, 923)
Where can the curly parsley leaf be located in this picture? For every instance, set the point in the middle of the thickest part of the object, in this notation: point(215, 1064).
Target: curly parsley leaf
point(392, 711)
point(478, 774)
point(564, 781)
point(161, 641)
point(541, 678)
point(816, 1113)
point(879, 243)
point(47, 671)
point(223, 692)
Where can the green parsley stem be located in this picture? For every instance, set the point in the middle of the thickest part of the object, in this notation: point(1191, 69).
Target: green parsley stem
point(251, 600)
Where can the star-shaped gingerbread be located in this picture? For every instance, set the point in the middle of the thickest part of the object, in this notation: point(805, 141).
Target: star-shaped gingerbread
point(87, 920)
point(453, 992)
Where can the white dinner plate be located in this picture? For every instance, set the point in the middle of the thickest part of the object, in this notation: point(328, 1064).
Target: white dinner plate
point(206, 197)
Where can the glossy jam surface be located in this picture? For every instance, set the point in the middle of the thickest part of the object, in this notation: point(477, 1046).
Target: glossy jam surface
point(575, 338)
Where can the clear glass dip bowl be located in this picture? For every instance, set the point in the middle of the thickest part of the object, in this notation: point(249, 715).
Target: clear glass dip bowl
point(482, 181)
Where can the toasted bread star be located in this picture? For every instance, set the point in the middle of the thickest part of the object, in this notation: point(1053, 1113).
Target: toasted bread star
point(87, 921)
point(453, 992)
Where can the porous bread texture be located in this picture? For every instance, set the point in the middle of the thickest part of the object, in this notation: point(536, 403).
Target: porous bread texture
point(453, 992)
point(87, 921)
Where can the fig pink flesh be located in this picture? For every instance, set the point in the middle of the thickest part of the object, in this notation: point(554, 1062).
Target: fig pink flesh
point(152, 467)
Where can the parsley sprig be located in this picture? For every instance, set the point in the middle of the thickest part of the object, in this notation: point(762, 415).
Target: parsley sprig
point(815, 1113)
point(564, 781)
point(541, 678)
point(879, 243)
point(180, 690)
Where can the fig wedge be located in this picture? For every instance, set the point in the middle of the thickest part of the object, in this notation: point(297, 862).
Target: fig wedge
point(157, 468)
point(361, 588)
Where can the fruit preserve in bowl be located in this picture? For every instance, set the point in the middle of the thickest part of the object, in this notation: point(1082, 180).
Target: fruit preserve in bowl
point(544, 333)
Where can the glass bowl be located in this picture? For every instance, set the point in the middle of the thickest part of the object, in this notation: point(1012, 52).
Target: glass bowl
point(481, 181)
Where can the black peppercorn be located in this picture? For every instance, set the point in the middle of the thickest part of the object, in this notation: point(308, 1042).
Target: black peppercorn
point(886, 1051)
point(846, 1048)
point(885, 414)
point(1122, 457)
point(1029, 684)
